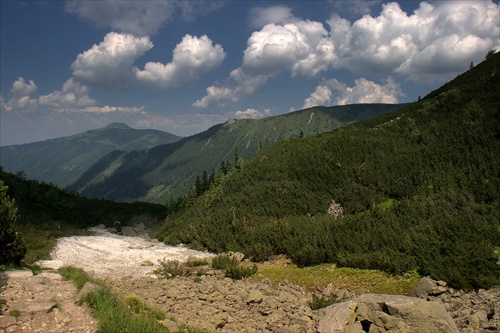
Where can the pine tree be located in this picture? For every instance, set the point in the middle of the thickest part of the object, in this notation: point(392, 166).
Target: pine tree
point(12, 247)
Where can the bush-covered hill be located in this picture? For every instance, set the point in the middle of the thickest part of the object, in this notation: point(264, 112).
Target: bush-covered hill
point(60, 161)
point(415, 189)
point(47, 212)
point(169, 170)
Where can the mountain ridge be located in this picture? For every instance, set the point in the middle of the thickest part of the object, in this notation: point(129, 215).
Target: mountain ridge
point(61, 160)
point(170, 170)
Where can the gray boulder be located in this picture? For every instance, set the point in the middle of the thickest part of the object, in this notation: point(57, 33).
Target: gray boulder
point(387, 313)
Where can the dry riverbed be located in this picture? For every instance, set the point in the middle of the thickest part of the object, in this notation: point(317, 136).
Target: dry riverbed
point(110, 255)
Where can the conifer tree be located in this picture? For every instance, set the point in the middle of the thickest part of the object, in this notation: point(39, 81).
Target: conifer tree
point(12, 248)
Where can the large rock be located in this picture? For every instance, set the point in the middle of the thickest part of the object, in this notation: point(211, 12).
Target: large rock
point(387, 313)
point(339, 317)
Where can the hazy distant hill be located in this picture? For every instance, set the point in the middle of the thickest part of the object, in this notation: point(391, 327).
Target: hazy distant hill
point(170, 169)
point(62, 160)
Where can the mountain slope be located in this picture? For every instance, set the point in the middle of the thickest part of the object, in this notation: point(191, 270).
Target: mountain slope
point(62, 160)
point(415, 189)
point(169, 170)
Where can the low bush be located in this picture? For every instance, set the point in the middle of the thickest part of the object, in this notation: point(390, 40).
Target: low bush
point(319, 302)
point(194, 262)
point(239, 272)
point(224, 261)
point(169, 269)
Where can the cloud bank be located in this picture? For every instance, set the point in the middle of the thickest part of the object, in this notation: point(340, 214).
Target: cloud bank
point(140, 18)
point(435, 39)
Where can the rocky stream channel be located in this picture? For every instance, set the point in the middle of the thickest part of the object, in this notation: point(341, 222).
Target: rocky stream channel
point(211, 301)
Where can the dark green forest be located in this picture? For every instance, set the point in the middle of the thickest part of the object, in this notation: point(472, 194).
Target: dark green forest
point(45, 212)
point(413, 189)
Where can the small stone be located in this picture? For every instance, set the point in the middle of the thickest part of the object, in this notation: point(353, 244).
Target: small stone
point(88, 288)
point(254, 296)
point(171, 325)
point(147, 263)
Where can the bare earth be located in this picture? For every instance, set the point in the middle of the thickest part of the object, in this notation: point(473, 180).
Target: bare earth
point(111, 255)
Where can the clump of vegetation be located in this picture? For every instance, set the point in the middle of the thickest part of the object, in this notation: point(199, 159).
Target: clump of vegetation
point(224, 261)
point(12, 246)
point(195, 262)
point(112, 312)
point(137, 305)
point(320, 302)
point(169, 269)
point(240, 272)
point(231, 266)
point(14, 313)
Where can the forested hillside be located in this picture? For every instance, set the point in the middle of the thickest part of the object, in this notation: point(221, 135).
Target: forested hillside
point(46, 212)
point(169, 170)
point(60, 161)
point(414, 189)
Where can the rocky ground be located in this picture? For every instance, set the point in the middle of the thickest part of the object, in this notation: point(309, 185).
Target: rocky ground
point(206, 299)
point(42, 303)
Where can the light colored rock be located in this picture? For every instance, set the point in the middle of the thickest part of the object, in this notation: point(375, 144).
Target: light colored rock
point(254, 296)
point(17, 274)
point(44, 307)
point(418, 315)
point(88, 288)
point(339, 318)
point(425, 287)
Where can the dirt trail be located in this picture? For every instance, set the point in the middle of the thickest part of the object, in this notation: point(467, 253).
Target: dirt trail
point(111, 255)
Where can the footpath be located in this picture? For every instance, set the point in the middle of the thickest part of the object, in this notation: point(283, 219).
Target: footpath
point(41, 303)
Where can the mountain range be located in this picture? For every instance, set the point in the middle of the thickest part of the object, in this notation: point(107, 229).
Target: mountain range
point(169, 170)
point(60, 161)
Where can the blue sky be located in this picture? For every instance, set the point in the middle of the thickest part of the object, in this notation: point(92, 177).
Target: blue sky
point(183, 66)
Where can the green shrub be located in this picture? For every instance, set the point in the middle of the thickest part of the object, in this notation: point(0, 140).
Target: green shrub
point(194, 262)
point(319, 302)
point(239, 272)
point(224, 261)
point(137, 305)
point(170, 269)
point(12, 246)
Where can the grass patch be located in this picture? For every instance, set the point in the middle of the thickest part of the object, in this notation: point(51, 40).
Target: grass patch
point(359, 280)
point(116, 314)
point(77, 275)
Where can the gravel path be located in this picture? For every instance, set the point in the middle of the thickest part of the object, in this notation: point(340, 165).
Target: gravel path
point(111, 255)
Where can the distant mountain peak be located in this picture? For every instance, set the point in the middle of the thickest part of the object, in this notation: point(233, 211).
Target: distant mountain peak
point(118, 125)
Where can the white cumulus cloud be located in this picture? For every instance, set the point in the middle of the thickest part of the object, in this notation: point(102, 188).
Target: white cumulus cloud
point(435, 39)
point(364, 91)
point(432, 44)
point(321, 96)
point(252, 113)
point(192, 58)
point(110, 62)
point(261, 16)
point(72, 98)
point(302, 47)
